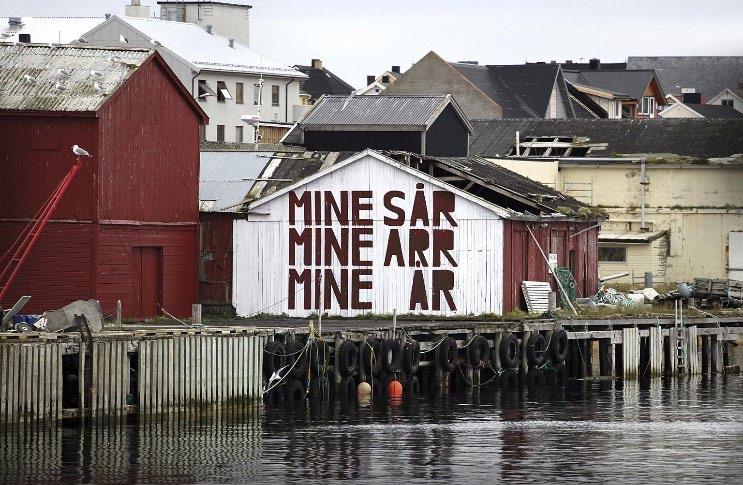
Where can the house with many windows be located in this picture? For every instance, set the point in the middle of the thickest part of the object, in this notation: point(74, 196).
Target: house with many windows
point(241, 90)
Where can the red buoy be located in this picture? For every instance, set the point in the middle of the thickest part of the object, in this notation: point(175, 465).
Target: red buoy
point(394, 389)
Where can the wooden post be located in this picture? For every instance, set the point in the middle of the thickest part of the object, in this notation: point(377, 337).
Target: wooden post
point(630, 351)
point(673, 352)
point(196, 314)
point(81, 378)
point(118, 314)
point(656, 351)
point(606, 357)
point(705, 353)
point(692, 350)
point(716, 353)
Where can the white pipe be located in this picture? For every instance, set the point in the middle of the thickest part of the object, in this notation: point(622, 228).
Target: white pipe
point(643, 183)
point(518, 146)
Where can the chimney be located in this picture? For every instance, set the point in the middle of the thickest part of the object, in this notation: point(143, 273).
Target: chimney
point(137, 10)
point(108, 16)
point(594, 64)
point(692, 98)
point(316, 64)
point(370, 79)
point(232, 42)
point(24, 38)
point(209, 29)
point(553, 62)
point(396, 69)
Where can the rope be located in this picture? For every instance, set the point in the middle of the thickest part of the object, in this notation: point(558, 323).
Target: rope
point(281, 379)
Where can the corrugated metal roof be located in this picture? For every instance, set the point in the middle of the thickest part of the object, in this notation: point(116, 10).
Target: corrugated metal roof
point(48, 90)
point(374, 110)
point(631, 236)
point(222, 178)
point(43, 30)
point(206, 51)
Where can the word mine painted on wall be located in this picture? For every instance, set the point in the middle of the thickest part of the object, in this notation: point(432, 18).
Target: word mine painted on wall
point(330, 226)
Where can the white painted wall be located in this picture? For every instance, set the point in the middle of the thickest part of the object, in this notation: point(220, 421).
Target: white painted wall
point(261, 249)
point(231, 21)
point(735, 255)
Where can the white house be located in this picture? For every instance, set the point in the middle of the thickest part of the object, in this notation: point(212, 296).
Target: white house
point(730, 97)
point(692, 110)
point(375, 85)
point(46, 30)
point(230, 19)
point(230, 80)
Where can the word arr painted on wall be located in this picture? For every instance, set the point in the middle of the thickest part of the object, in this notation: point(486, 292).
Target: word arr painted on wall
point(332, 247)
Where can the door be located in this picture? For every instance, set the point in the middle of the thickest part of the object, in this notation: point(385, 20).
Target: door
point(735, 256)
point(148, 281)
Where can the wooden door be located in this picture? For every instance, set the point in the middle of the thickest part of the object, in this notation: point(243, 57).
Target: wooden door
point(148, 281)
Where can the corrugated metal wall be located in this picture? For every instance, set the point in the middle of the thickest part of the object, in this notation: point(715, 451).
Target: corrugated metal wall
point(262, 251)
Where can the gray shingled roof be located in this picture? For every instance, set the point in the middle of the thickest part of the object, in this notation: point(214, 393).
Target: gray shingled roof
point(42, 63)
point(707, 74)
point(375, 110)
point(322, 81)
point(716, 111)
point(632, 83)
point(700, 138)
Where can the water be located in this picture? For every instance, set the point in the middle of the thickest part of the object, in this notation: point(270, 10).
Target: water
point(687, 430)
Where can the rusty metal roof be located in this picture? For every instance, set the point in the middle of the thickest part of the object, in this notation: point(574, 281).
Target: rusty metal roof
point(31, 77)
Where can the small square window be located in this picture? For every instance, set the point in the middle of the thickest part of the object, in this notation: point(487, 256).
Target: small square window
point(222, 92)
point(613, 254)
point(204, 90)
point(239, 93)
point(727, 102)
point(274, 95)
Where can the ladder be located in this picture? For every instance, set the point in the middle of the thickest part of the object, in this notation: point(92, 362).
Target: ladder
point(678, 327)
point(12, 260)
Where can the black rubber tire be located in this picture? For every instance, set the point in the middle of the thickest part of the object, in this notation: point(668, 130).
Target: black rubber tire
point(509, 351)
point(294, 354)
point(411, 357)
point(412, 387)
point(273, 358)
point(509, 381)
point(377, 364)
point(536, 349)
point(348, 359)
point(448, 354)
point(348, 389)
point(478, 351)
point(559, 346)
point(367, 356)
point(391, 355)
point(536, 378)
point(295, 391)
point(319, 356)
point(316, 390)
point(559, 375)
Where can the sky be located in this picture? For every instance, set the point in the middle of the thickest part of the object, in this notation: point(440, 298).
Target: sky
point(355, 38)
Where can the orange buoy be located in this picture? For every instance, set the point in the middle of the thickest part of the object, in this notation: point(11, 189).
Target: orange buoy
point(394, 389)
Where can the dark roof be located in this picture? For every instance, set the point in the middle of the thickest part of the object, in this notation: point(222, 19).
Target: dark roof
point(699, 138)
point(322, 81)
point(707, 74)
point(584, 106)
point(584, 66)
point(523, 91)
point(223, 146)
point(716, 111)
point(633, 83)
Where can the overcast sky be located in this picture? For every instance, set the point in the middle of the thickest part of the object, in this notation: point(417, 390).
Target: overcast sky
point(356, 38)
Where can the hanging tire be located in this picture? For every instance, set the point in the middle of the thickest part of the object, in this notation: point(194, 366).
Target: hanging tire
point(295, 391)
point(536, 349)
point(536, 378)
point(348, 359)
point(411, 357)
point(448, 354)
point(316, 388)
point(412, 387)
point(559, 375)
point(319, 356)
point(509, 351)
point(297, 358)
point(509, 381)
point(273, 358)
point(478, 351)
point(367, 356)
point(559, 346)
point(391, 355)
point(348, 389)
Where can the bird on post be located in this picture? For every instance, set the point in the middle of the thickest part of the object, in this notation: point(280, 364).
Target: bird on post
point(80, 152)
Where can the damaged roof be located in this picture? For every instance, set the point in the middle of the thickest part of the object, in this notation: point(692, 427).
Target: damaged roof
point(631, 82)
point(44, 78)
point(698, 138)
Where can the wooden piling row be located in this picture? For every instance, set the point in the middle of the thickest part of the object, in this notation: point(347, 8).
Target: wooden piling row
point(110, 378)
point(30, 382)
point(693, 359)
point(656, 351)
point(630, 351)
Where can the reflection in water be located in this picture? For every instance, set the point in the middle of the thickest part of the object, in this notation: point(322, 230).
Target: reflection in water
point(669, 430)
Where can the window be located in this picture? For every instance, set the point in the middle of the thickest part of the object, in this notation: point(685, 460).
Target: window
point(204, 90)
point(220, 132)
point(727, 102)
point(239, 134)
point(257, 94)
point(614, 254)
point(222, 92)
point(202, 132)
point(647, 105)
point(385, 79)
point(274, 95)
point(239, 93)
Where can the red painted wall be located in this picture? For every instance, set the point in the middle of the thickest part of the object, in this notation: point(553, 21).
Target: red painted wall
point(215, 266)
point(524, 262)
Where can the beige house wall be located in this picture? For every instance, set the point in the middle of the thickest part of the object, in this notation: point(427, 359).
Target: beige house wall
point(699, 205)
point(641, 257)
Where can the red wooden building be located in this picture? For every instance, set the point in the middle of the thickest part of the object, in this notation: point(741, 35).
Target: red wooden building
point(127, 228)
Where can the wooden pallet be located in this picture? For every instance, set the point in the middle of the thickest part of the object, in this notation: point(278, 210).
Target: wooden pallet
point(537, 295)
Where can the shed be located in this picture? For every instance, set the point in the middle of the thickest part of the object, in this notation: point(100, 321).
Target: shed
point(427, 125)
point(127, 228)
point(370, 233)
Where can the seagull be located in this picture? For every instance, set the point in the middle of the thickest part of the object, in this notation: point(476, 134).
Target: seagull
point(80, 152)
point(60, 87)
point(29, 79)
point(98, 87)
point(63, 73)
point(94, 73)
point(155, 42)
point(276, 376)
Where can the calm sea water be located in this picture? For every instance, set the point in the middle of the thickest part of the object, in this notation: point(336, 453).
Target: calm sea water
point(689, 430)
